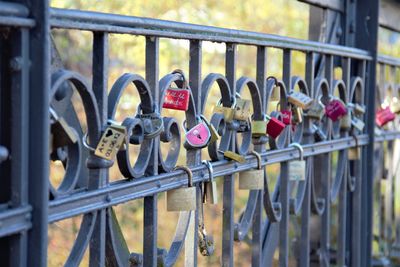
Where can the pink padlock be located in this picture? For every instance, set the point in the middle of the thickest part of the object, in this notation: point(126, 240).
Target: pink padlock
point(274, 127)
point(335, 109)
point(286, 117)
point(197, 137)
point(383, 116)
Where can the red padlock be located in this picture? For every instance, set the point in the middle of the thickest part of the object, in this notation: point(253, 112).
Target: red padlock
point(274, 127)
point(383, 116)
point(335, 109)
point(286, 117)
point(176, 98)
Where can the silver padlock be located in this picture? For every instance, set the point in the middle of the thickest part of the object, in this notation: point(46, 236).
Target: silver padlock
point(319, 135)
point(358, 124)
point(182, 199)
point(210, 187)
point(252, 179)
point(317, 110)
point(297, 168)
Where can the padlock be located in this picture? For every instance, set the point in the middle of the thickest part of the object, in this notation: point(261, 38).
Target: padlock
point(244, 126)
point(335, 109)
point(346, 122)
point(358, 124)
point(228, 112)
point(300, 100)
point(297, 117)
point(252, 179)
point(111, 141)
point(317, 110)
point(318, 133)
point(214, 133)
point(395, 105)
point(286, 117)
point(182, 199)
point(354, 153)
point(258, 128)
point(242, 109)
point(210, 187)
point(61, 133)
point(297, 168)
point(383, 116)
point(197, 137)
point(153, 124)
point(177, 98)
point(233, 156)
point(274, 126)
point(358, 109)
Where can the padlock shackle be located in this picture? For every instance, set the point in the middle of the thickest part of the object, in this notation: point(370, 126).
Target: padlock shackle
point(259, 160)
point(300, 148)
point(184, 81)
point(209, 168)
point(188, 172)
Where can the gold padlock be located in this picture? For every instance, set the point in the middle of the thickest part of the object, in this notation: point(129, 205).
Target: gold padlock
point(354, 153)
point(299, 99)
point(233, 156)
point(359, 109)
point(182, 199)
point(252, 179)
point(258, 128)
point(297, 168)
point(213, 131)
point(210, 187)
point(297, 117)
point(110, 142)
point(395, 105)
point(345, 122)
point(242, 109)
point(317, 110)
point(228, 112)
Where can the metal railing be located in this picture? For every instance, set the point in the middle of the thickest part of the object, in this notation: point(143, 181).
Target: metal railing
point(31, 84)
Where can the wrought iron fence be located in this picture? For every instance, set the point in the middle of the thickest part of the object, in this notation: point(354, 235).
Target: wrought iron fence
point(35, 107)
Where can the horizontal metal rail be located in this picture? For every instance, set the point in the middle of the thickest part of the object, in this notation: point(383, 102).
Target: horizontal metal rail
point(95, 21)
point(123, 191)
point(15, 220)
point(388, 60)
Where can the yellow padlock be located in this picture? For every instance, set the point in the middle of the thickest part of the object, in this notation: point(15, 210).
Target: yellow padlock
point(242, 109)
point(228, 112)
point(258, 128)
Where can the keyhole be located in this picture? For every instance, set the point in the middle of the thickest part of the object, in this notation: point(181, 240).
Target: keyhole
point(109, 133)
point(197, 133)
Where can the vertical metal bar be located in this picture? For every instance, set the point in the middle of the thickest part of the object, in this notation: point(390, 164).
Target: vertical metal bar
point(194, 156)
point(367, 36)
point(257, 217)
point(39, 39)
point(284, 178)
point(150, 212)
point(100, 78)
point(19, 145)
point(325, 171)
point(229, 182)
point(306, 208)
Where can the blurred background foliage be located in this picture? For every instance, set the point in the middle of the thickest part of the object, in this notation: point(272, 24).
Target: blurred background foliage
point(127, 54)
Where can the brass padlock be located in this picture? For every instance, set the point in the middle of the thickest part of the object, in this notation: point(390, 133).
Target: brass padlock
point(346, 122)
point(242, 109)
point(61, 133)
point(233, 156)
point(213, 131)
point(359, 109)
point(297, 168)
point(110, 142)
point(395, 105)
point(354, 153)
point(297, 117)
point(300, 100)
point(182, 199)
point(252, 179)
point(210, 187)
point(258, 128)
point(317, 110)
point(228, 112)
